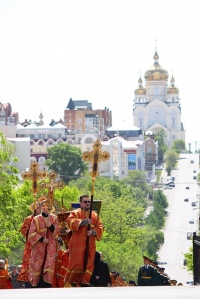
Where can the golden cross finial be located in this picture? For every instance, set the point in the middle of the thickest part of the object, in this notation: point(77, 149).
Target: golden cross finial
point(95, 156)
point(54, 183)
point(34, 175)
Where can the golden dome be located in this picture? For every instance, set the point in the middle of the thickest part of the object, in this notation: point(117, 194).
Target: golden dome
point(172, 88)
point(156, 72)
point(140, 90)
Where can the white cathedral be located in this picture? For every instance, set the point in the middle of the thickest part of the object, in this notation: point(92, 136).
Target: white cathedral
point(157, 104)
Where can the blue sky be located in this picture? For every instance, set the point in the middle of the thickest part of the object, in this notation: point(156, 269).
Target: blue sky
point(51, 51)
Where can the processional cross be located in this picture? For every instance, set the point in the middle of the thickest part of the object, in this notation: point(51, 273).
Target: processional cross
point(34, 175)
point(54, 183)
point(94, 157)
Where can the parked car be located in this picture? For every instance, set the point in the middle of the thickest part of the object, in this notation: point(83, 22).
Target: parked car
point(191, 220)
point(191, 161)
point(194, 171)
point(194, 177)
point(193, 204)
point(170, 183)
point(186, 199)
point(187, 187)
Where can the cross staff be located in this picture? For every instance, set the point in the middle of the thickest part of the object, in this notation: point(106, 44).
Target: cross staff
point(54, 183)
point(94, 157)
point(34, 175)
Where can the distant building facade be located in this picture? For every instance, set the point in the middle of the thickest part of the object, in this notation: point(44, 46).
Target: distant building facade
point(124, 156)
point(81, 118)
point(157, 104)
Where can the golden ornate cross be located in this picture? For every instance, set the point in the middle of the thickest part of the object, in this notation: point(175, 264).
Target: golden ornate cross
point(54, 183)
point(94, 157)
point(34, 175)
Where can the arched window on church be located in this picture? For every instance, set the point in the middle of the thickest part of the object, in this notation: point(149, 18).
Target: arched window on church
point(173, 122)
point(140, 123)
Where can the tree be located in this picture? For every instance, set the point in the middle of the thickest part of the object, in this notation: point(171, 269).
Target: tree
point(189, 259)
point(162, 147)
point(178, 145)
point(8, 180)
point(171, 159)
point(66, 160)
point(136, 178)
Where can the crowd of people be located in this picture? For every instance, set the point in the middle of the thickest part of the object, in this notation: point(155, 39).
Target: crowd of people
point(150, 274)
point(46, 264)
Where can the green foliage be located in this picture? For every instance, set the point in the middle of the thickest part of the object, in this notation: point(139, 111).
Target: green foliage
point(66, 160)
point(8, 203)
point(178, 145)
point(127, 234)
point(67, 195)
point(189, 259)
point(162, 147)
point(156, 218)
point(171, 158)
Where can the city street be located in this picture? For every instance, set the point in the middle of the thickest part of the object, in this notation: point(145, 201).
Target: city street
point(180, 214)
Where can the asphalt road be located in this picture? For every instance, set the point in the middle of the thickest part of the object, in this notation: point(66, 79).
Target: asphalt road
point(179, 213)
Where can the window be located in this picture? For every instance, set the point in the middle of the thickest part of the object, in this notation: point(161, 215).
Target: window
point(149, 150)
point(80, 121)
point(173, 120)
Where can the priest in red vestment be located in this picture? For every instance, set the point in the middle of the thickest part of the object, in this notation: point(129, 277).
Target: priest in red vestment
point(78, 220)
point(42, 236)
point(24, 273)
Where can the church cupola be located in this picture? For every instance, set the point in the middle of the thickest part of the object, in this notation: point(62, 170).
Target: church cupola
point(140, 90)
point(172, 89)
point(41, 119)
point(156, 72)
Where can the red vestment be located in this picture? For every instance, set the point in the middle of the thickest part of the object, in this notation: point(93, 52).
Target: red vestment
point(42, 261)
point(5, 283)
point(23, 275)
point(60, 269)
point(77, 245)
